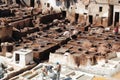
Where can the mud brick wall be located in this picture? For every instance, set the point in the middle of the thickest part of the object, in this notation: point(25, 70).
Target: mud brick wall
point(81, 19)
point(17, 35)
point(5, 32)
point(71, 17)
point(21, 23)
point(105, 22)
point(50, 18)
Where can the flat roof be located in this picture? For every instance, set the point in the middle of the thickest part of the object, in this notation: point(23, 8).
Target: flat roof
point(23, 51)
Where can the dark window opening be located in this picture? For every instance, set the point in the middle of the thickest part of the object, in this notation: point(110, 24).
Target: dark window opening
point(97, 14)
point(100, 9)
point(85, 13)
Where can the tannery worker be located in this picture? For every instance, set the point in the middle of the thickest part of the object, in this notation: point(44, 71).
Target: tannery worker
point(51, 73)
point(44, 72)
point(116, 30)
point(58, 70)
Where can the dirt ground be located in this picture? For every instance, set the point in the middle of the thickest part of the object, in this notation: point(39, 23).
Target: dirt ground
point(99, 78)
point(117, 76)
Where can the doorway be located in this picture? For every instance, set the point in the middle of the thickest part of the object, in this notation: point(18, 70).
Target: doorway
point(18, 2)
point(116, 20)
point(76, 17)
point(67, 3)
point(17, 58)
point(64, 14)
point(32, 3)
point(90, 19)
point(110, 17)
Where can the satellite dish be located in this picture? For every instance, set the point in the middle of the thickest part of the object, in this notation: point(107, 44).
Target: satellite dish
point(86, 2)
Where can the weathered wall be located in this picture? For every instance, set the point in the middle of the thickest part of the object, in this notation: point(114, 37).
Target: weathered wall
point(99, 17)
point(50, 18)
point(75, 60)
point(62, 59)
point(52, 3)
point(5, 32)
point(94, 9)
point(22, 23)
point(108, 1)
point(116, 9)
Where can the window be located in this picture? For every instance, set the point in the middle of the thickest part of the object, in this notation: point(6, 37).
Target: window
point(100, 9)
point(97, 14)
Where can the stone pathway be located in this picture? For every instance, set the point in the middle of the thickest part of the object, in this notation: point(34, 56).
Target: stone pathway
point(66, 74)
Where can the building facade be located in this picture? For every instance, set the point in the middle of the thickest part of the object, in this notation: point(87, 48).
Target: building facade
point(97, 12)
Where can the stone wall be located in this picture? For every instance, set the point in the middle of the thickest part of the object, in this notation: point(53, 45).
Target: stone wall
point(68, 60)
